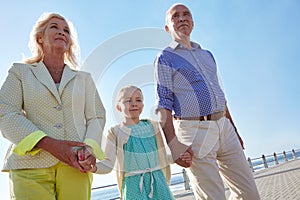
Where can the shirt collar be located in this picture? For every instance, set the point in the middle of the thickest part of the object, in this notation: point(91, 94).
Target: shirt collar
point(174, 44)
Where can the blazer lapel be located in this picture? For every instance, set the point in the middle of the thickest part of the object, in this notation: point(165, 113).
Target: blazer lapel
point(67, 75)
point(41, 73)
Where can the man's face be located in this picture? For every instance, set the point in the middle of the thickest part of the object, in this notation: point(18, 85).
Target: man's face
point(179, 22)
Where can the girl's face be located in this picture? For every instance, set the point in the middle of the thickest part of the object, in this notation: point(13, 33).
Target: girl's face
point(131, 104)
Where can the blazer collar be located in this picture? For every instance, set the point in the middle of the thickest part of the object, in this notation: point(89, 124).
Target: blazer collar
point(41, 73)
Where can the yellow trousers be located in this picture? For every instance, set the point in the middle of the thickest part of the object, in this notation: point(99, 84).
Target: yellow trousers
point(60, 182)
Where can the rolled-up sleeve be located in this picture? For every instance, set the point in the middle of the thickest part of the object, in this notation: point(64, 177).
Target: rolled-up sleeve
point(28, 143)
point(163, 83)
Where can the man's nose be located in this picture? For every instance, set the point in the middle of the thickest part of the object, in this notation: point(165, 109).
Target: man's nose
point(181, 18)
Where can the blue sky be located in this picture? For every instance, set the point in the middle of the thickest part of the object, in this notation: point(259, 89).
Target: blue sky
point(255, 44)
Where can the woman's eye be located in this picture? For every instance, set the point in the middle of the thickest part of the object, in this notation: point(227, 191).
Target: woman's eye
point(67, 31)
point(53, 26)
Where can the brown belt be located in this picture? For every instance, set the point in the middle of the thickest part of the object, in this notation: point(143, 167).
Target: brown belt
point(211, 117)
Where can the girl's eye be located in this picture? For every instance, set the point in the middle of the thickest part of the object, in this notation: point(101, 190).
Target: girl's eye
point(67, 31)
point(53, 26)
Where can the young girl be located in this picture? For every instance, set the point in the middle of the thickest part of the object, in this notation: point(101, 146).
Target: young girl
point(142, 167)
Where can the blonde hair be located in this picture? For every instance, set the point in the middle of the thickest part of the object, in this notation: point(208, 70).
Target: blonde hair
point(72, 56)
point(125, 89)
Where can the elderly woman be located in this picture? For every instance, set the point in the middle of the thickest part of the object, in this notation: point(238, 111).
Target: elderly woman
point(53, 116)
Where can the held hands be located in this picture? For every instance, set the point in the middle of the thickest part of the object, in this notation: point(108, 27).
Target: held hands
point(86, 158)
point(62, 150)
point(75, 154)
point(186, 157)
point(183, 159)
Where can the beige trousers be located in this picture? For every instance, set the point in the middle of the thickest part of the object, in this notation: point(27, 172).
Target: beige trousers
point(218, 155)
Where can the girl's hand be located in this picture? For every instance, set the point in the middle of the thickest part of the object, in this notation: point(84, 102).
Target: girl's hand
point(86, 159)
point(186, 157)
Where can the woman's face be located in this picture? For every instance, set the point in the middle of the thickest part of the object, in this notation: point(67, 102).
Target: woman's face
point(56, 37)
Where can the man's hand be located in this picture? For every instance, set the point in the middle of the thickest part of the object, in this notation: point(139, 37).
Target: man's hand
point(181, 153)
point(186, 158)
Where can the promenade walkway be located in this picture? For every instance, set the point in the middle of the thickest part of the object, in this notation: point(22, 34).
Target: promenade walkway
point(278, 182)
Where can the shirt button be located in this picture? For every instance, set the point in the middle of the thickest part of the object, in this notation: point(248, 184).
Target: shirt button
point(59, 126)
point(58, 107)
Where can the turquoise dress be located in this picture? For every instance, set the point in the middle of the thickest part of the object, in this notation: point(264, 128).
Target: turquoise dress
point(140, 153)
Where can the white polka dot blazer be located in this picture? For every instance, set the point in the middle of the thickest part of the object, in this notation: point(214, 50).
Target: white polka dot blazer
point(30, 102)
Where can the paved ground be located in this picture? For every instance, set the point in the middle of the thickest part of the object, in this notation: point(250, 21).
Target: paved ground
point(279, 182)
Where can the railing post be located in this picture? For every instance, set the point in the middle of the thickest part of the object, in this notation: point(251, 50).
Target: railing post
point(294, 154)
point(284, 155)
point(250, 164)
point(186, 180)
point(265, 161)
point(275, 159)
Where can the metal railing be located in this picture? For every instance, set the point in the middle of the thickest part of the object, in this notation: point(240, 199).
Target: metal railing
point(264, 162)
point(254, 163)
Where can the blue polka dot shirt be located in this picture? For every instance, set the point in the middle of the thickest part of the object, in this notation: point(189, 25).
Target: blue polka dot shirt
point(187, 81)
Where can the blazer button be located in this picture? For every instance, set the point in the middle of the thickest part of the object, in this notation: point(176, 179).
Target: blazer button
point(59, 126)
point(58, 107)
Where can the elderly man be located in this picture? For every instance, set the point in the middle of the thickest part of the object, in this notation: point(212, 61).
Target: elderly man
point(194, 116)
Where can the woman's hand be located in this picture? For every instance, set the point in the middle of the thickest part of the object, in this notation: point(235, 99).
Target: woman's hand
point(87, 159)
point(62, 150)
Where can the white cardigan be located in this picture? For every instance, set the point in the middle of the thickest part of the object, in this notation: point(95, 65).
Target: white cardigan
point(118, 135)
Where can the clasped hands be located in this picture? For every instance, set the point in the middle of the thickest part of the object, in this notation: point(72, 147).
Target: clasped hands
point(86, 158)
point(181, 153)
